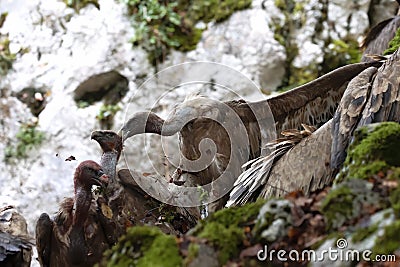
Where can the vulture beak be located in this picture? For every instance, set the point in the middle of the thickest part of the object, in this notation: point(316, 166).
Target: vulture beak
point(101, 178)
point(96, 135)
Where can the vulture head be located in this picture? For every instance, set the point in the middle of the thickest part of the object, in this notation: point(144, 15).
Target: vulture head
point(142, 122)
point(87, 174)
point(108, 140)
point(194, 107)
point(111, 144)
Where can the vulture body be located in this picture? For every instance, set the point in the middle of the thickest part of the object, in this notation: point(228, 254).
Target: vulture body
point(372, 96)
point(199, 119)
point(76, 236)
point(377, 100)
point(130, 205)
point(15, 245)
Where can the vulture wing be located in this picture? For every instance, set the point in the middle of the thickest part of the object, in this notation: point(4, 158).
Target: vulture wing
point(44, 232)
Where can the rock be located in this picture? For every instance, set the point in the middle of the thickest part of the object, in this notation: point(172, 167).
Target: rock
point(110, 86)
point(34, 98)
point(15, 244)
point(273, 220)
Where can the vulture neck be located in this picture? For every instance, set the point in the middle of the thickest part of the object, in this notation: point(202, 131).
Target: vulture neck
point(157, 125)
point(83, 199)
point(77, 252)
point(109, 160)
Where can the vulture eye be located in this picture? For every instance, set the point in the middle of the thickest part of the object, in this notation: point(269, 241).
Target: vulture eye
point(99, 173)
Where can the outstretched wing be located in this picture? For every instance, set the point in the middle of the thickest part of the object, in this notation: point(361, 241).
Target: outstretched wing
point(315, 102)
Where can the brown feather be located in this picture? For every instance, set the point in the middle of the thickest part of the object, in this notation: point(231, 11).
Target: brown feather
point(348, 114)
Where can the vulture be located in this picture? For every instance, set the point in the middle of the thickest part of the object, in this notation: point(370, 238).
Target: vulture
point(238, 129)
point(15, 244)
point(310, 164)
point(127, 200)
point(78, 234)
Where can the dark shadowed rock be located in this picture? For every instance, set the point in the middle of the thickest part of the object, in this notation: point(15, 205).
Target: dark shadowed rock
point(108, 86)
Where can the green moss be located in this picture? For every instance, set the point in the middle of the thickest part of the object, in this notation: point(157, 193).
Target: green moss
point(143, 246)
point(161, 25)
point(6, 57)
point(224, 229)
point(215, 10)
point(227, 239)
point(389, 241)
point(348, 201)
point(28, 137)
point(362, 233)
point(394, 197)
point(337, 206)
point(106, 115)
point(393, 44)
point(3, 17)
point(302, 76)
point(393, 174)
point(79, 4)
point(107, 111)
point(339, 53)
point(376, 148)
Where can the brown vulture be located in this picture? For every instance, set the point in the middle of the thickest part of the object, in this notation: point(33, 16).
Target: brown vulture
point(372, 96)
point(78, 234)
point(130, 205)
point(199, 119)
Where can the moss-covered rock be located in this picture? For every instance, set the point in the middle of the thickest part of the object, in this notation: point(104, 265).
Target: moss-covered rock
point(162, 25)
point(388, 242)
point(349, 200)
point(143, 246)
point(79, 4)
point(375, 149)
point(369, 182)
point(28, 137)
point(225, 229)
point(273, 220)
point(364, 232)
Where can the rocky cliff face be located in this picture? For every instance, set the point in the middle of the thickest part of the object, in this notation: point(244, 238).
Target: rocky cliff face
point(57, 49)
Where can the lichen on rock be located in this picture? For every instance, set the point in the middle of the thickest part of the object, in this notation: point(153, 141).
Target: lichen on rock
point(347, 201)
point(273, 220)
